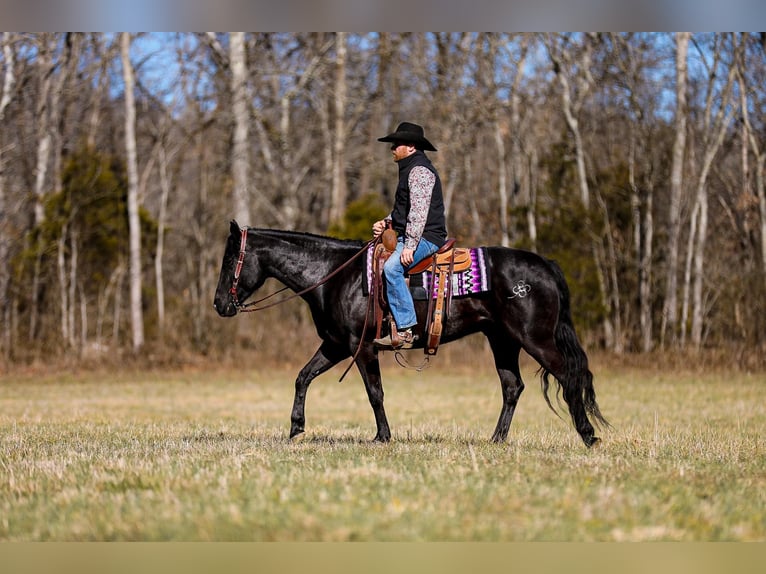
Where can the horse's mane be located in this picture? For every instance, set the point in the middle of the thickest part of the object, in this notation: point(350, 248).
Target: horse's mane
point(302, 236)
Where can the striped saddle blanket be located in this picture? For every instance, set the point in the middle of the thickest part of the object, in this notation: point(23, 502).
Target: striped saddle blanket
point(475, 279)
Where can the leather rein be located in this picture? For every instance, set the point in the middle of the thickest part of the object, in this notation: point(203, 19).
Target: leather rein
point(252, 306)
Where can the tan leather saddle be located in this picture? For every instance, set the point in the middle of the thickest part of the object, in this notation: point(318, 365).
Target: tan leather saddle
point(448, 254)
point(442, 264)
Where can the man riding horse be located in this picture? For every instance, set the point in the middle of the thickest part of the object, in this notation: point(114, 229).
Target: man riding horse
point(419, 221)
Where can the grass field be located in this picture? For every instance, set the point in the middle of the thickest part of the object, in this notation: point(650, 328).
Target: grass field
point(204, 455)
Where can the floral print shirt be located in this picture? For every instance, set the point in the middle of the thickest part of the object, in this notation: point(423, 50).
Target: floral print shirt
point(421, 181)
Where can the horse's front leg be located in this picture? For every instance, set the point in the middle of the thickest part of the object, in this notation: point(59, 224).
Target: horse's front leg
point(326, 357)
point(369, 367)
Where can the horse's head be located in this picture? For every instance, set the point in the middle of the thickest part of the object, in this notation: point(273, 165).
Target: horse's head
point(240, 273)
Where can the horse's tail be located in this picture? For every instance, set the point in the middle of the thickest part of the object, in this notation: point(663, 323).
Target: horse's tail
point(577, 380)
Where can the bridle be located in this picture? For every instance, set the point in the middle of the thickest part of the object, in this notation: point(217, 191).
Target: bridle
point(252, 306)
point(238, 269)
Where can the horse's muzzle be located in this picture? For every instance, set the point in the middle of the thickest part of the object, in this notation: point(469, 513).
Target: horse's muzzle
point(228, 309)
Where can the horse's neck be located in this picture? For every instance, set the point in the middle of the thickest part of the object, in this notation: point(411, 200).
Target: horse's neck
point(299, 261)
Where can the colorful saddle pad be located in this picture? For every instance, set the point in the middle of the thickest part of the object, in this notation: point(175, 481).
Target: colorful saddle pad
point(473, 280)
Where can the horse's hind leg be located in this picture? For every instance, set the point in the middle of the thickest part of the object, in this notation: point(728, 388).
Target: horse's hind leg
point(326, 356)
point(507, 365)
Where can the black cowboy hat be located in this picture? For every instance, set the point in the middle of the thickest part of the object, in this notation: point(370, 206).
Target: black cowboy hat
point(409, 134)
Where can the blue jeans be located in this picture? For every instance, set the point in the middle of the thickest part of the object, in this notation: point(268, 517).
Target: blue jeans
point(399, 297)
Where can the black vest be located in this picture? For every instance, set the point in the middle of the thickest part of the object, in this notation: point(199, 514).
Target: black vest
point(435, 230)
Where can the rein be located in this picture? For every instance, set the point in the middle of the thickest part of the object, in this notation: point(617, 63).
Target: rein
point(250, 307)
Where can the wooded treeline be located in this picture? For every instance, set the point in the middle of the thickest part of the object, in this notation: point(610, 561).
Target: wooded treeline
point(636, 160)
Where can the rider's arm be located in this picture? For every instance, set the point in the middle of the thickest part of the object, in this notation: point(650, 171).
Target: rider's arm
point(421, 181)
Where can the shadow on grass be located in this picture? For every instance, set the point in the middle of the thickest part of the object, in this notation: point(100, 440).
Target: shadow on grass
point(325, 439)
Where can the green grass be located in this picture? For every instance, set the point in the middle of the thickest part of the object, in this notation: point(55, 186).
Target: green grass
point(205, 456)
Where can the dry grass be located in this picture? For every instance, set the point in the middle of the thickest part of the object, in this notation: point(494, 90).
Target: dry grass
point(205, 456)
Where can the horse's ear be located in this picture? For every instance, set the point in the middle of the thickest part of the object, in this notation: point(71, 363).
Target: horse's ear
point(234, 227)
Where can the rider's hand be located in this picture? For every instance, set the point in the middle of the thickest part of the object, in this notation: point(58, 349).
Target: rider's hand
point(407, 257)
point(378, 227)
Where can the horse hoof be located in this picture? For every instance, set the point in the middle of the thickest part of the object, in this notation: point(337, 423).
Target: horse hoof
point(594, 442)
point(298, 437)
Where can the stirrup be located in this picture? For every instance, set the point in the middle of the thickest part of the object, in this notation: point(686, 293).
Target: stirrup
point(406, 340)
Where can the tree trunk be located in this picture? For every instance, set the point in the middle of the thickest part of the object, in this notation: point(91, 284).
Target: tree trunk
point(45, 67)
point(687, 282)
point(73, 272)
point(45, 74)
point(670, 305)
point(520, 186)
point(563, 64)
point(699, 265)
point(761, 192)
point(714, 130)
point(532, 206)
point(645, 267)
point(6, 95)
point(502, 185)
point(612, 281)
point(134, 223)
point(97, 95)
point(240, 162)
point(339, 190)
point(571, 108)
point(758, 155)
point(370, 175)
point(641, 208)
point(165, 186)
point(633, 67)
point(63, 292)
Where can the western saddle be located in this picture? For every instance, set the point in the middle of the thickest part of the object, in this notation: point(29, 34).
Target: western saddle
point(442, 264)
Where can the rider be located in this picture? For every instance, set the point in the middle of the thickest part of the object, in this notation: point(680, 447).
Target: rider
point(418, 219)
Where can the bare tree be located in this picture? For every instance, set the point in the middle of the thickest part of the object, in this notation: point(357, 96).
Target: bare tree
point(240, 108)
point(521, 184)
point(572, 63)
point(717, 118)
point(45, 67)
point(510, 128)
point(633, 64)
point(670, 305)
point(569, 66)
point(134, 223)
point(751, 142)
point(291, 155)
point(166, 184)
point(67, 244)
point(448, 102)
point(104, 55)
point(6, 94)
point(288, 158)
point(339, 188)
point(382, 62)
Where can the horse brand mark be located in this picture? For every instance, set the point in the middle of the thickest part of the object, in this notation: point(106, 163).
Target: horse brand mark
point(521, 289)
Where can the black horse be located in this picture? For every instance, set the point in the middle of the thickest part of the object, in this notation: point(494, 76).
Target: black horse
point(539, 322)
